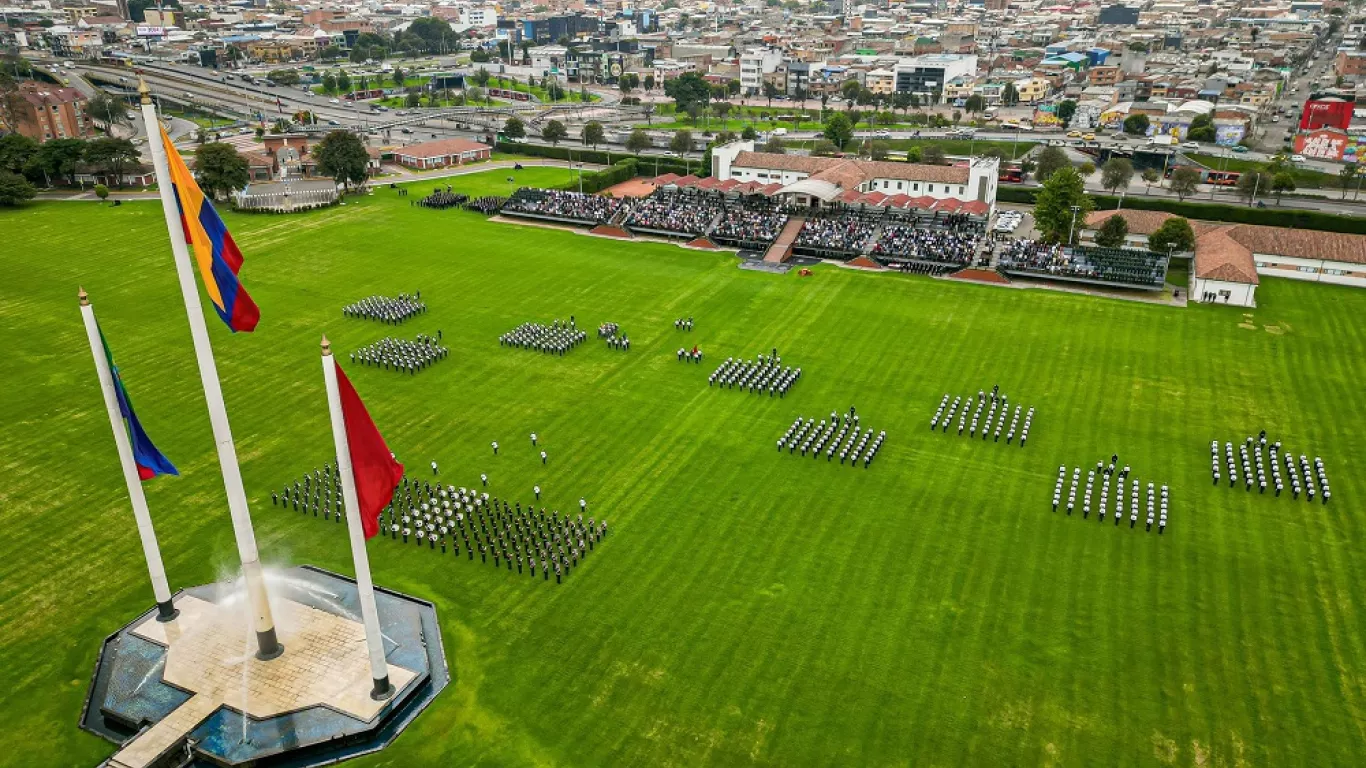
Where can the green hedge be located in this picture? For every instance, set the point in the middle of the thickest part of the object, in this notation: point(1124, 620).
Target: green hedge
point(1236, 214)
point(646, 163)
point(597, 181)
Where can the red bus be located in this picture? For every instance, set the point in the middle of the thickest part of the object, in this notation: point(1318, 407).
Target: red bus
point(1012, 175)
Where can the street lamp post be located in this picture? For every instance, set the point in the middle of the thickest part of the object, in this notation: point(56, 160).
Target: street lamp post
point(1071, 230)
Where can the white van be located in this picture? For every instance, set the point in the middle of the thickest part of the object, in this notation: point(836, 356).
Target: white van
point(779, 131)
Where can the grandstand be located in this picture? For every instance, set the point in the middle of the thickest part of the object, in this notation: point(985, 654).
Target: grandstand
point(561, 206)
point(749, 222)
point(674, 213)
point(1091, 265)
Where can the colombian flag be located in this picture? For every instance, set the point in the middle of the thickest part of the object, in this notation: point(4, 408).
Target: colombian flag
point(216, 253)
point(150, 460)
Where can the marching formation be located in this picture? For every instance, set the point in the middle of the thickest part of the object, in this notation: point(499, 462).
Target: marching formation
point(1156, 507)
point(319, 490)
point(386, 309)
point(1250, 452)
point(693, 355)
point(487, 205)
point(557, 338)
point(511, 535)
point(611, 333)
point(402, 355)
point(762, 375)
point(837, 434)
point(442, 199)
point(683, 324)
point(989, 402)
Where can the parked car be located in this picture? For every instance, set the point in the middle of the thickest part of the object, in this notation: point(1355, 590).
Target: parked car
point(1239, 148)
point(335, 101)
point(1297, 158)
point(1074, 134)
point(1189, 145)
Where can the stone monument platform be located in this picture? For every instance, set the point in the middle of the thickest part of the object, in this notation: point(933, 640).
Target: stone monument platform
point(192, 692)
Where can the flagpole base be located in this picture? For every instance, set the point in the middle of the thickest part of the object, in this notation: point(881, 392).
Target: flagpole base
point(382, 690)
point(166, 611)
point(268, 645)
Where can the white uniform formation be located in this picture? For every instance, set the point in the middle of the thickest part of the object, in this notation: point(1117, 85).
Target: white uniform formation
point(993, 423)
point(765, 374)
point(838, 435)
point(1156, 508)
point(1302, 478)
point(556, 339)
point(402, 355)
point(387, 309)
point(617, 340)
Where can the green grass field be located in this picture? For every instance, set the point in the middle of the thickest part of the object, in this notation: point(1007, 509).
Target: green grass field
point(748, 607)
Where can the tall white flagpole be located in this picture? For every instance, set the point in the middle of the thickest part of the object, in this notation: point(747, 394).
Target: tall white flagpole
point(268, 645)
point(166, 611)
point(379, 668)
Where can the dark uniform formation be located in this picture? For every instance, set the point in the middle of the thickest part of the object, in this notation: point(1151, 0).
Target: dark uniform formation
point(836, 436)
point(556, 339)
point(1256, 452)
point(765, 374)
point(611, 333)
point(442, 199)
point(390, 310)
point(1156, 504)
point(402, 355)
point(507, 533)
point(992, 425)
point(487, 205)
point(317, 491)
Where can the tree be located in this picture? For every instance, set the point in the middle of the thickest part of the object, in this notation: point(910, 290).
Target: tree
point(1116, 174)
point(932, 155)
point(638, 141)
point(1346, 174)
point(878, 150)
point(849, 90)
point(681, 143)
point(58, 157)
point(775, 145)
point(593, 134)
point(283, 76)
point(1051, 159)
point(722, 108)
point(220, 170)
point(102, 192)
point(554, 91)
point(1010, 96)
point(1253, 183)
point(1150, 177)
point(627, 82)
point(106, 109)
point(412, 99)
point(1053, 214)
point(113, 156)
point(1185, 181)
point(687, 90)
point(329, 82)
point(331, 53)
point(16, 151)
point(479, 56)
point(824, 148)
point(839, 129)
point(15, 189)
point(554, 132)
point(649, 83)
point(1136, 125)
point(1281, 183)
point(514, 128)
point(400, 77)
point(1112, 232)
point(481, 77)
point(770, 90)
point(694, 111)
point(1065, 110)
point(1201, 128)
point(1086, 169)
point(1174, 236)
point(748, 133)
point(974, 104)
point(342, 155)
point(913, 155)
point(343, 82)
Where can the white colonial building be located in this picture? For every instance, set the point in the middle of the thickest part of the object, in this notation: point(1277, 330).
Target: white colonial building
point(827, 180)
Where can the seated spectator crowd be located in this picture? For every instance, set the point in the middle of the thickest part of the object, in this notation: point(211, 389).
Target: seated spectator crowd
point(907, 241)
point(667, 211)
point(846, 231)
point(560, 204)
point(754, 221)
point(1108, 265)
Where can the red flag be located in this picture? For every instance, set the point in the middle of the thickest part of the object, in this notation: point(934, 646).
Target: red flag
point(374, 468)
